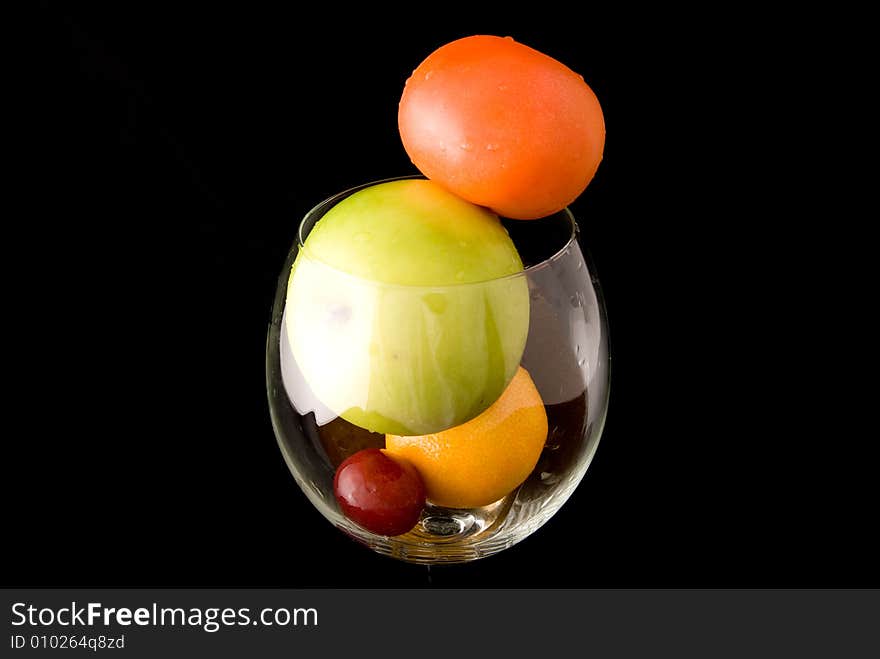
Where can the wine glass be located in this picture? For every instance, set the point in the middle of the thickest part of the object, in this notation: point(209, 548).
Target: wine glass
point(564, 349)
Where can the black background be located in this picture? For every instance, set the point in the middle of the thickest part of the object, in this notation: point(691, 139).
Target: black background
point(172, 152)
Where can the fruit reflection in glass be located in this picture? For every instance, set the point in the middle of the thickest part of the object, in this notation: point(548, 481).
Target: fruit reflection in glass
point(470, 348)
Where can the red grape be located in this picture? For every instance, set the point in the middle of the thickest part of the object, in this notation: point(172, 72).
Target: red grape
point(382, 494)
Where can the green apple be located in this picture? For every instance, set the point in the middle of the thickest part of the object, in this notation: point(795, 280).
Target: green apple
point(400, 312)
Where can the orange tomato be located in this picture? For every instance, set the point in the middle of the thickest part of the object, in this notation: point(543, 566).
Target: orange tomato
point(502, 125)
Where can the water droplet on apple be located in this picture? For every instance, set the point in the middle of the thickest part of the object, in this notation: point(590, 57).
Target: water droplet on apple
point(436, 302)
point(339, 313)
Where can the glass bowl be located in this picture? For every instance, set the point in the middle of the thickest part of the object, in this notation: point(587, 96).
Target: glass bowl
point(562, 343)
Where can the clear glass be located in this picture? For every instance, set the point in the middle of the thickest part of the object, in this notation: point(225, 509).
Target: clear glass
point(565, 351)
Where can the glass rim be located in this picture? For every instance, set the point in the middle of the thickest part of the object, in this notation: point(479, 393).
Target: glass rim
point(334, 199)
